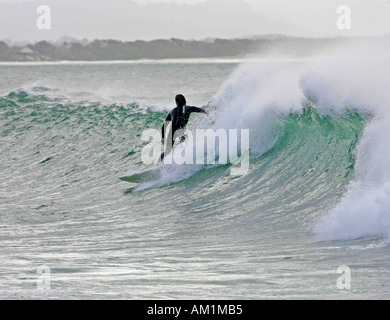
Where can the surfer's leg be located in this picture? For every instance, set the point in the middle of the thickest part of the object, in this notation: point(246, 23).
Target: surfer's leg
point(167, 151)
point(161, 157)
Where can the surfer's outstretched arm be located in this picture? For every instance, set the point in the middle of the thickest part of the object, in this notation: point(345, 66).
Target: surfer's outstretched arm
point(199, 110)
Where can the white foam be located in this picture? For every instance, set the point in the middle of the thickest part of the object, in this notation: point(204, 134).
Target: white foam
point(364, 210)
point(254, 98)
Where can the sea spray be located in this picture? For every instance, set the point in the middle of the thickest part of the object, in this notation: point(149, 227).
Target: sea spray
point(358, 79)
point(354, 77)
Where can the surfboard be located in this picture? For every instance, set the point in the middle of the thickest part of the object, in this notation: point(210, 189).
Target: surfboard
point(143, 176)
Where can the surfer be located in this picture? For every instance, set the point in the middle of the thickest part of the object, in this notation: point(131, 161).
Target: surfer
point(178, 117)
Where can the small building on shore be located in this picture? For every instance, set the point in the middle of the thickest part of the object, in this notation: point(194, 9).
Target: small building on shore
point(27, 53)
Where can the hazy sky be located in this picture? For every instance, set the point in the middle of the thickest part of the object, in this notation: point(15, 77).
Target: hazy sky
point(189, 19)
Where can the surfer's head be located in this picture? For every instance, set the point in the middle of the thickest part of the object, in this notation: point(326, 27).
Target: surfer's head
point(180, 100)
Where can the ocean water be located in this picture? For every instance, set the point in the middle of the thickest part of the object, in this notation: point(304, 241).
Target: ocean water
point(316, 196)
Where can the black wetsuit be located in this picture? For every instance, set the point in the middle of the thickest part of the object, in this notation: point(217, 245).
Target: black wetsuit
point(178, 118)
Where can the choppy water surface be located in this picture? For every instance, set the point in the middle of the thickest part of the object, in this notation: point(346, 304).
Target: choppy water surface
point(316, 196)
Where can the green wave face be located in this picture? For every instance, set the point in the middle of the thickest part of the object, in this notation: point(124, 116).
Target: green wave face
point(311, 161)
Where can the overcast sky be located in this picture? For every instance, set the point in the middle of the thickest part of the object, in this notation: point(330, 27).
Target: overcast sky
point(189, 19)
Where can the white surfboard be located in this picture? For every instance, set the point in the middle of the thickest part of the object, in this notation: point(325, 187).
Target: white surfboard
point(143, 176)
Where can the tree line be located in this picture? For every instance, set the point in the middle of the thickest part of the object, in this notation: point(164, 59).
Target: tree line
point(165, 49)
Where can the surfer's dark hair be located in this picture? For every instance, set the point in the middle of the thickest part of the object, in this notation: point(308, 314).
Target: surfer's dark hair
point(181, 100)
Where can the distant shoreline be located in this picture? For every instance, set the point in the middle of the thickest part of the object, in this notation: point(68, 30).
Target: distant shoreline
point(150, 61)
point(173, 49)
